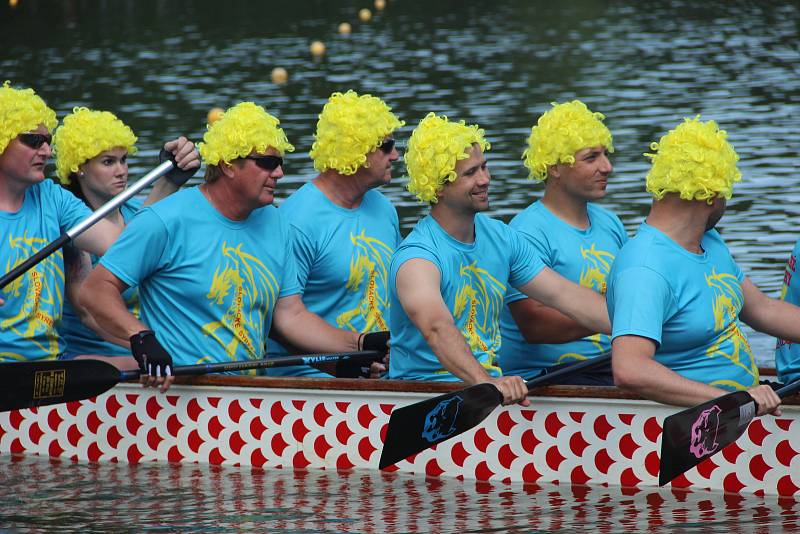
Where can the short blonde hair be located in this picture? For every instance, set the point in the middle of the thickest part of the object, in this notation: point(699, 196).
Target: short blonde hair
point(350, 127)
point(22, 110)
point(433, 150)
point(84, 134)
point(561, 132)
point(694, 160)
point(242, 129)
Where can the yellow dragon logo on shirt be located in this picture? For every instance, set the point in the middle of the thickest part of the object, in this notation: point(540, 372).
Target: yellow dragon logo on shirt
point(42, 297)
point(478, 302)
point(369, 274)
point(596, 266)
point(244, 287)
point(731, 343)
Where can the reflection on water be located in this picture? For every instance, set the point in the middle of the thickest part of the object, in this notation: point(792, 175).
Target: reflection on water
point(48, 495)
point(162, 65)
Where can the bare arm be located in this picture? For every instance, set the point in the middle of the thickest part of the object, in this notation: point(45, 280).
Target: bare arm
point(186, 157)
point(585, 306)
point(540, 324)
point(771, 316)
point(97, 239)
point(418, 290)
point(77, 266)
point(308, 331)
point(635, 369)
point(107, 306)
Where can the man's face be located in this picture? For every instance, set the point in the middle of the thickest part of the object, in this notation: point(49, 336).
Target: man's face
point(587, 178)
point(378, 167)
point(21, 163)
point(254, 184)
point(469, 192)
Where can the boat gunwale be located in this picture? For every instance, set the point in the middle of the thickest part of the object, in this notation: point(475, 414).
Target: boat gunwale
point(404, 386)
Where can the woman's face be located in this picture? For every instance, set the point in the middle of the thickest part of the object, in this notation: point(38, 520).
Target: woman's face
point(106, 174)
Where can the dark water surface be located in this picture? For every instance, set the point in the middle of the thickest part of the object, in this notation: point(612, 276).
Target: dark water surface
point(43, 495)
point(161, 65)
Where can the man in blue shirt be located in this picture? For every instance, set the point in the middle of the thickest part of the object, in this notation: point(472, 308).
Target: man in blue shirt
point(214, 263)
point(449, 276)
point(787, 354)
point(676, 297)
point(568, 151)
point(343, 251)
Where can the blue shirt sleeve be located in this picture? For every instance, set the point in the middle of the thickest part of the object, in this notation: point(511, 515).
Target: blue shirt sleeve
point(639, 302)
point(410, 252)
point(71, 209)
point(543, 251)
point(290, 284)
point(139, 251)
point(304, 253)
point(526, 262)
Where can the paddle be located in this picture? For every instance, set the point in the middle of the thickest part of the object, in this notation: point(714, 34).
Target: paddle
point(30, 384)
point(87, 223)
point(416, 427)
point(691, 436)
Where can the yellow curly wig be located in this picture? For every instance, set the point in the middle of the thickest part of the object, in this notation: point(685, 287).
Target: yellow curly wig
point(694, 160)
point(242, 129)
point(433, 150)
point(559, 133)
point(350, 127)
point(84, 134)
point(22, 110)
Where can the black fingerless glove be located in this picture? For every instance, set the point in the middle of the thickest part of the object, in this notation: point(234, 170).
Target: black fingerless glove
point(153, 359)
point(378, 341)
point(177, 175)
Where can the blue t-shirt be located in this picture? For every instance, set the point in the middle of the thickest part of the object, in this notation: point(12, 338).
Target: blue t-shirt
point(787, 354)
point(207, 285)
point(581, 256)
point(34, 301)
point(342, 258)
point(474, 278)
point(81, 339)
point(687, 303)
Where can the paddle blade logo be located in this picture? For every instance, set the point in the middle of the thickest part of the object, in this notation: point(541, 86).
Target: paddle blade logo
point(704, 433)
point(440, 423)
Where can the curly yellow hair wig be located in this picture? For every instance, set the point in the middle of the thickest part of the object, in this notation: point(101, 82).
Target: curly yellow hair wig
point(694, 160)
point(22, 110)
point(84, 134)
point(559, 133)
point(433, 150)
point(350, 127)
point(242, 129)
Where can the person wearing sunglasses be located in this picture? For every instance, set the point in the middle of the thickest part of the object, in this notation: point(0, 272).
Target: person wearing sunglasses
point(343, 251)
point(214, 263)
point(449, 275)
point(567, 151)
point(91, 151)
point(33, 212)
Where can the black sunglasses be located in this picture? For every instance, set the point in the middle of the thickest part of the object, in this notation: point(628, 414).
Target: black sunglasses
point(387, 146)
point(35, 140)
point(269, 163)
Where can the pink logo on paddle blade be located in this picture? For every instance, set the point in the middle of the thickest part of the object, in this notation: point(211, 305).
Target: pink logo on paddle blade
point(704, 433)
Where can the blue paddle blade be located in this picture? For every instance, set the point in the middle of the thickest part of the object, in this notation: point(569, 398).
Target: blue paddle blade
point(691, 436)
point(419, 426)
point(39, 383)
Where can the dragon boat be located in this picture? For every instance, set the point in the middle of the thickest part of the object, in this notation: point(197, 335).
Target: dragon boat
point(575, 435)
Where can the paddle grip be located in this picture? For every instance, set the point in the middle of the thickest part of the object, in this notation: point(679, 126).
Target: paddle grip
point(44, 252)
point(307, 359)
point(569, 370)
point(177, 175)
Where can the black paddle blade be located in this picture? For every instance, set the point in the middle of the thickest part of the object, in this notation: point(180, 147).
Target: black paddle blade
point(414, 428)
point(691, 436)
point(30, 384)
